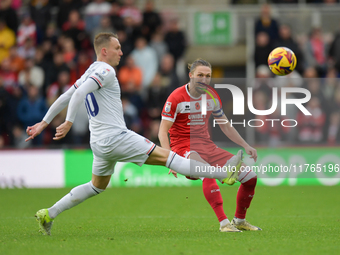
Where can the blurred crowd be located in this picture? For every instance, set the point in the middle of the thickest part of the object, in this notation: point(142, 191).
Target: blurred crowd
point(318, 69)
point(45, 46)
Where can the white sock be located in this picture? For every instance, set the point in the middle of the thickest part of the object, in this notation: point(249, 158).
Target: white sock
point(237, 220)
point(193, 168)
point(224, 222)
point(75, 197)
point(246, 174)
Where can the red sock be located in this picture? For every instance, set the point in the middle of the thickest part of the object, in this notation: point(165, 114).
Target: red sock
point(212, 194)
point(244, 196)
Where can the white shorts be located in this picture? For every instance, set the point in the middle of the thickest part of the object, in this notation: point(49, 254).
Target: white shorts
point(126, 147)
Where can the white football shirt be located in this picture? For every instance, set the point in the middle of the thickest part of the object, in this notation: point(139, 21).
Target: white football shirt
point(104, 106)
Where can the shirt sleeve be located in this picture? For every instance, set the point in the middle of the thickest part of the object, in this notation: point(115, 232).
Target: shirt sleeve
point(218, 110)
point(59, 105)
point(103, 76)
point(169, 111)
point(77, 98)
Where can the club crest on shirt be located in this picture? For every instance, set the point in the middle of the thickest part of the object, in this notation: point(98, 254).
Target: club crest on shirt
point(104, 71)
point(167, 107)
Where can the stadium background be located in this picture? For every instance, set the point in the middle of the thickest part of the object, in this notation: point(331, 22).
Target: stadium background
point(47, 45)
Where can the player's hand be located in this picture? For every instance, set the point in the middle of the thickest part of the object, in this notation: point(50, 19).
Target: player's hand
point(173, 172)
point(62, 130)
point(35, 130)
point(252, 152)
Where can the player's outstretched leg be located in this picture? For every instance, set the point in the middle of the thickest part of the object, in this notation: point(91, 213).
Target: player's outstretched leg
point(45, 222)
point(244, 197)
point(77, 195)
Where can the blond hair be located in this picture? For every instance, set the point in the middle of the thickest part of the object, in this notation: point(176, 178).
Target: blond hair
point(101, 40)
point(198, 62)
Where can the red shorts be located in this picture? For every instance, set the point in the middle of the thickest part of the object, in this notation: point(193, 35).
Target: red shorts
point(208, 151)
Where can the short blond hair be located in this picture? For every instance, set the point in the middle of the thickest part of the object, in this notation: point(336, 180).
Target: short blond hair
point(198, 62)
point(102, 39)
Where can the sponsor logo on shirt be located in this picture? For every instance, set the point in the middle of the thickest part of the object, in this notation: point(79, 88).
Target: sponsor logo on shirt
point(104, 71)
point(147, 140)
point(101, 77)
point(167, 107)
point(167, 114)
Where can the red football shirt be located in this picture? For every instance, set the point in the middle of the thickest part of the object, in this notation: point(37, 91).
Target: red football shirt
point(185, 111)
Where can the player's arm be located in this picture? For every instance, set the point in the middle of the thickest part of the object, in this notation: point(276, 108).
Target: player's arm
point(163, 133)
point(234, 136)
point(54, 110)
point(76, 100)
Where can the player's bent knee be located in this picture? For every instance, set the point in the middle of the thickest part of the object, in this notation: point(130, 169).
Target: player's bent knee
point(159, 156)
point(100, 182)
point(246, 174)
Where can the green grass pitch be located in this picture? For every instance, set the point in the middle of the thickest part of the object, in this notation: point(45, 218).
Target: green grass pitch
point(295, 220)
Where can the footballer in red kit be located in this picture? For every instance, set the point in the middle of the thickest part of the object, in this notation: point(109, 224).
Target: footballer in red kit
point(183, 119)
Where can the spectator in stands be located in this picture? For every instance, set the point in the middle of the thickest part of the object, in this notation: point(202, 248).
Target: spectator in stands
point(334, 51)
point(116, 19)
point(93, 13)
point(265, 23)
point(32, 109)
point(57, 67)
point(286, 40)
point(58, 88)
point(69, 53)
point(75, 29)
point(127, 46)
point(8, 76)
point(27, 50)
point(146, 59)
point(315, 51)
point(333, 134)
point(151, 20)
point(130, 10)
point(129, 76)
point(157, 95)
point(105, 26)
point(330, 83)
point(80, 127)
point(16, 62)
point(175, 40)
point(167, 70)
point(5, 117)
point(27, 29)
point(131, 117)
point(262, 49)
point(65, 7)
point(41, 15)
point(7, 39)
point(51, 34)
point(264, 81)
point(32, 75)
point(16, 4)
point(83, 63)
point(158, 44)
point(8, 14)
point(19, 137)
point(311, 126)
point(132, 30)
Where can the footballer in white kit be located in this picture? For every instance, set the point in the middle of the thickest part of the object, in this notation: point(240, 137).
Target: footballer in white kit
point(110, 140)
